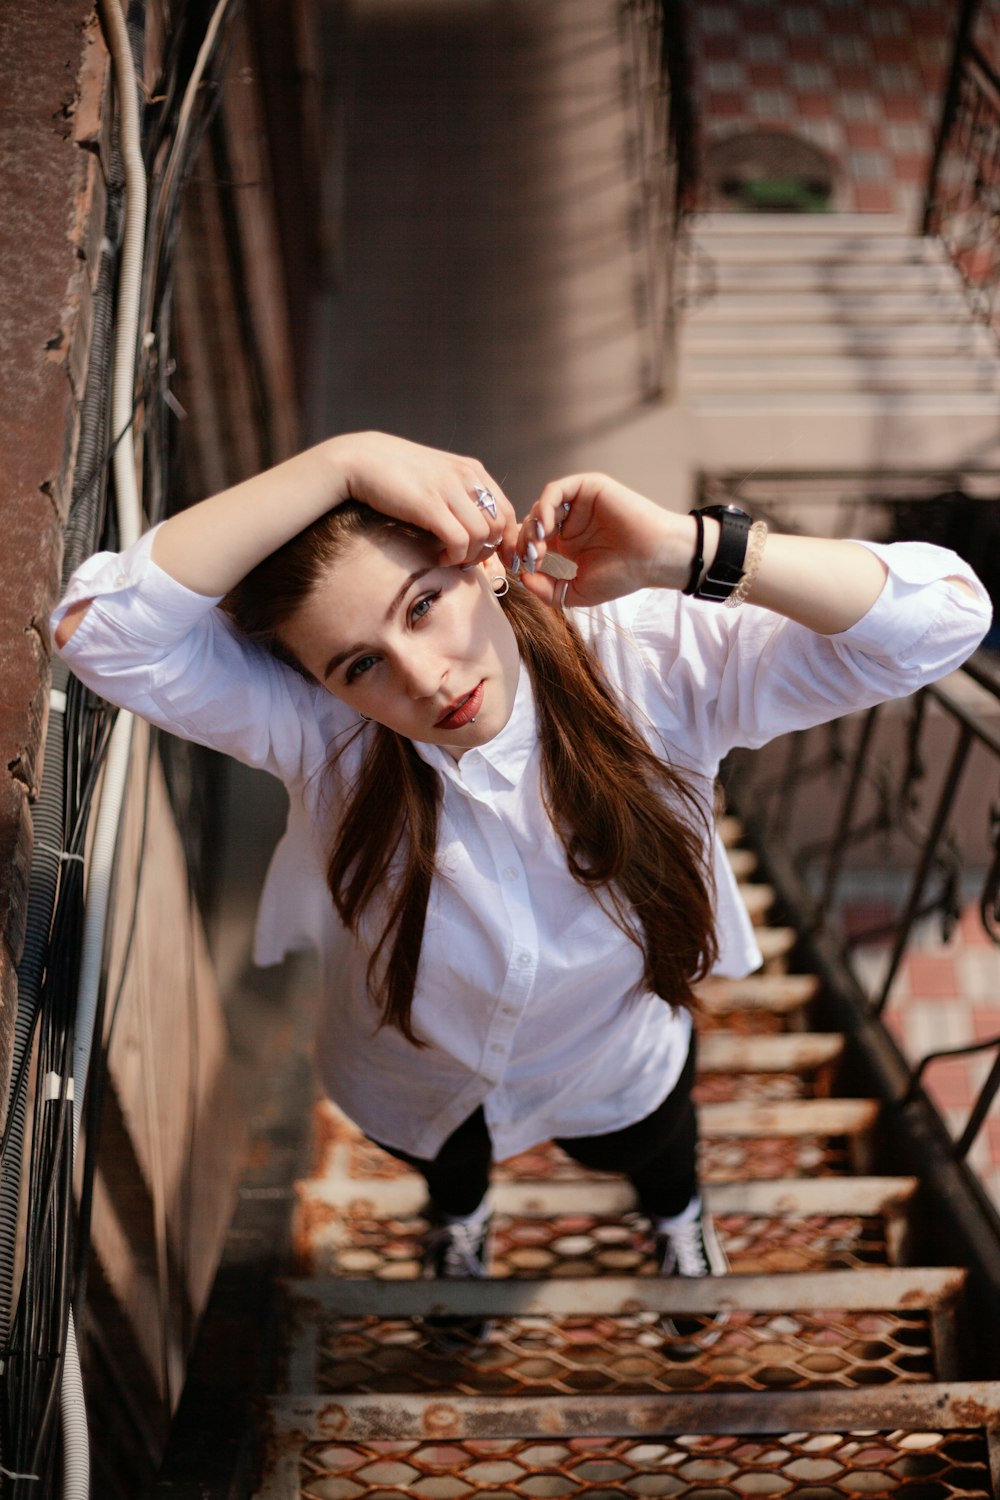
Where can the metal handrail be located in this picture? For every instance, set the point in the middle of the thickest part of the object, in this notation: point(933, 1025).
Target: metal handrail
point(962, 199)
point(867, 794)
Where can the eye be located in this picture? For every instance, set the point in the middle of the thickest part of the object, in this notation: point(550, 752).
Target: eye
point(423, 606)
point(359, 667)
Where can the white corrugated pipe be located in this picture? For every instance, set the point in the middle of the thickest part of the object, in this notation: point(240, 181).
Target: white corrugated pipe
point(73, 1411)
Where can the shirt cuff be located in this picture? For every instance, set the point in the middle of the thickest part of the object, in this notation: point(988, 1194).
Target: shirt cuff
point(156, 606)
point(909, 609)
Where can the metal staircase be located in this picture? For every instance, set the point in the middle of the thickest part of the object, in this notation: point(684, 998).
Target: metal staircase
point(843, 1369)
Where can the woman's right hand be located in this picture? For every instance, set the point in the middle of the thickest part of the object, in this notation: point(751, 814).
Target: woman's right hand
point(211, 546)
point(427, 488)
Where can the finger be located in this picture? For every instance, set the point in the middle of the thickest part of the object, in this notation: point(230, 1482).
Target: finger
point(555, 592)
point(488, 517)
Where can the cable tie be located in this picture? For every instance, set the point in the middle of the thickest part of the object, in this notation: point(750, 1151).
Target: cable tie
point(63, 855)
point(54, 1086)
point(57, 700)
point(9, 1474)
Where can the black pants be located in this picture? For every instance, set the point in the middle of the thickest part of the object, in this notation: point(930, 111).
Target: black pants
point(657, 1154)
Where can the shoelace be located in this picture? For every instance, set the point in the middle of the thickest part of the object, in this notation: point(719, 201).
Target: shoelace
point(460, 1244)
point(689, 1247)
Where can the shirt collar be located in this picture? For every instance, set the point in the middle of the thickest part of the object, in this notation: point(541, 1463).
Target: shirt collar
point(507, 752)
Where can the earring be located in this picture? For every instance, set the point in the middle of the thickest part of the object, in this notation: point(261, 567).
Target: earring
point(501, 585)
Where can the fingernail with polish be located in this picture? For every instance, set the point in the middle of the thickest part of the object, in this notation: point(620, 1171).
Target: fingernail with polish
point(515, 566)
point(561, 594)
point(540, 531)
point(531, 558)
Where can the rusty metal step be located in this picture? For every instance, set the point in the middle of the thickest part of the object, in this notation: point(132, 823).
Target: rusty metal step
point(742, 862)
point(935, 1439)
point(780, 993)
point(758, 900)
point(605, 1337)
point(730, 830)
point(569, 1230)
point(605, 1196)
point(791, 1052)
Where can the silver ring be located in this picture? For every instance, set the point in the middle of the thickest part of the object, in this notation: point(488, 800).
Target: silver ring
point(489, 546)
point(485, 499)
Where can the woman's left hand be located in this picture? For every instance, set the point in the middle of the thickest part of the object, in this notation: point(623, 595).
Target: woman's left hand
point(618, 540)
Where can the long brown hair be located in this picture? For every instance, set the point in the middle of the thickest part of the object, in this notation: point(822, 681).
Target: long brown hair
point(634, 831)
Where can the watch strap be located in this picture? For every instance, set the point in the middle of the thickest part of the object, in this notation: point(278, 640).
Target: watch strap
point(727, 566)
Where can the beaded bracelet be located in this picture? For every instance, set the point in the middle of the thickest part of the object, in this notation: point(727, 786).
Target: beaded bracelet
point(755, 551)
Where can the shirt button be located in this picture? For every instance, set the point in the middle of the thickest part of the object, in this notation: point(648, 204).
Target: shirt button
point(524, 959)
point(510, 873)
point(121, 580)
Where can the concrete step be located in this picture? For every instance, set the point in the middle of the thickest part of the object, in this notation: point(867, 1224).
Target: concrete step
point(831, 338)
point(866, 309)
point(795, 249)
point(720, 373)
point(792, 226)
point(842, 278)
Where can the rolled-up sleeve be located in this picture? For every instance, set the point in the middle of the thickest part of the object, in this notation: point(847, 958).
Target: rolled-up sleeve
point(741, 677)
point(149, 644)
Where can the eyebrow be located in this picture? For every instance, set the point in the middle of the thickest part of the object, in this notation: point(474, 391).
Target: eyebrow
point(341, 656)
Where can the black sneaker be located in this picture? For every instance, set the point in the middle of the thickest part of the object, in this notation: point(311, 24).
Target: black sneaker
point(455, 1250)
point(692, 1248)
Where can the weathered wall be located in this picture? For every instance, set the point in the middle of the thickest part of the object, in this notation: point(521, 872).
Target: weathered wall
point(172, 1126)
point(47, 189)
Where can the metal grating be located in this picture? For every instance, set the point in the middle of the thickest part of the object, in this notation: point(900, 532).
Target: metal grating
point(627, 1355)
point(758, 1158)
point(752, 1088)
point(821, 1466)
point(723, 1159)
point(360, 1243)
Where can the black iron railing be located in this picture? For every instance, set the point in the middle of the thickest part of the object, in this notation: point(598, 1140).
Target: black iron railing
point(962, 204)
point(664, 162)
point(877, 825)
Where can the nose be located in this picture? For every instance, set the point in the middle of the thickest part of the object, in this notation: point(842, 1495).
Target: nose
point(421, 671)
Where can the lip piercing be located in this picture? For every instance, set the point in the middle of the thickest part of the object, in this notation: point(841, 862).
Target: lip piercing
point(485, 499)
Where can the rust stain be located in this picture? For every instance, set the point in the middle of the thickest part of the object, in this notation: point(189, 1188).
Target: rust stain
point(310, 1217)
point(332, 1420)
point(967, 1412)
point(440, 1420)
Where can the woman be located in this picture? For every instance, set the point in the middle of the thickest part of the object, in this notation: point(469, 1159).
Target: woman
point(509, 804)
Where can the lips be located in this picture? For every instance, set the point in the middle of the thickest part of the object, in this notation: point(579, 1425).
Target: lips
point(463, 710)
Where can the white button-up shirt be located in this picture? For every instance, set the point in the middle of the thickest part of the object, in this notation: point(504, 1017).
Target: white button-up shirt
point(530, 998)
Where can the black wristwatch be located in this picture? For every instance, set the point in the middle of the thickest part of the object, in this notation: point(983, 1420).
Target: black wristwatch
point(727, 565)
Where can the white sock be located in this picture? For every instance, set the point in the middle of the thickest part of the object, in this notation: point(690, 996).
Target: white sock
point(686, 1216)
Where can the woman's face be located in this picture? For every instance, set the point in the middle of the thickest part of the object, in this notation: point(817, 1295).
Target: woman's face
point(422, 648)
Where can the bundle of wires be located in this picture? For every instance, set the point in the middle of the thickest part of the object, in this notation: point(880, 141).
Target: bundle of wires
point(61, 1032)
